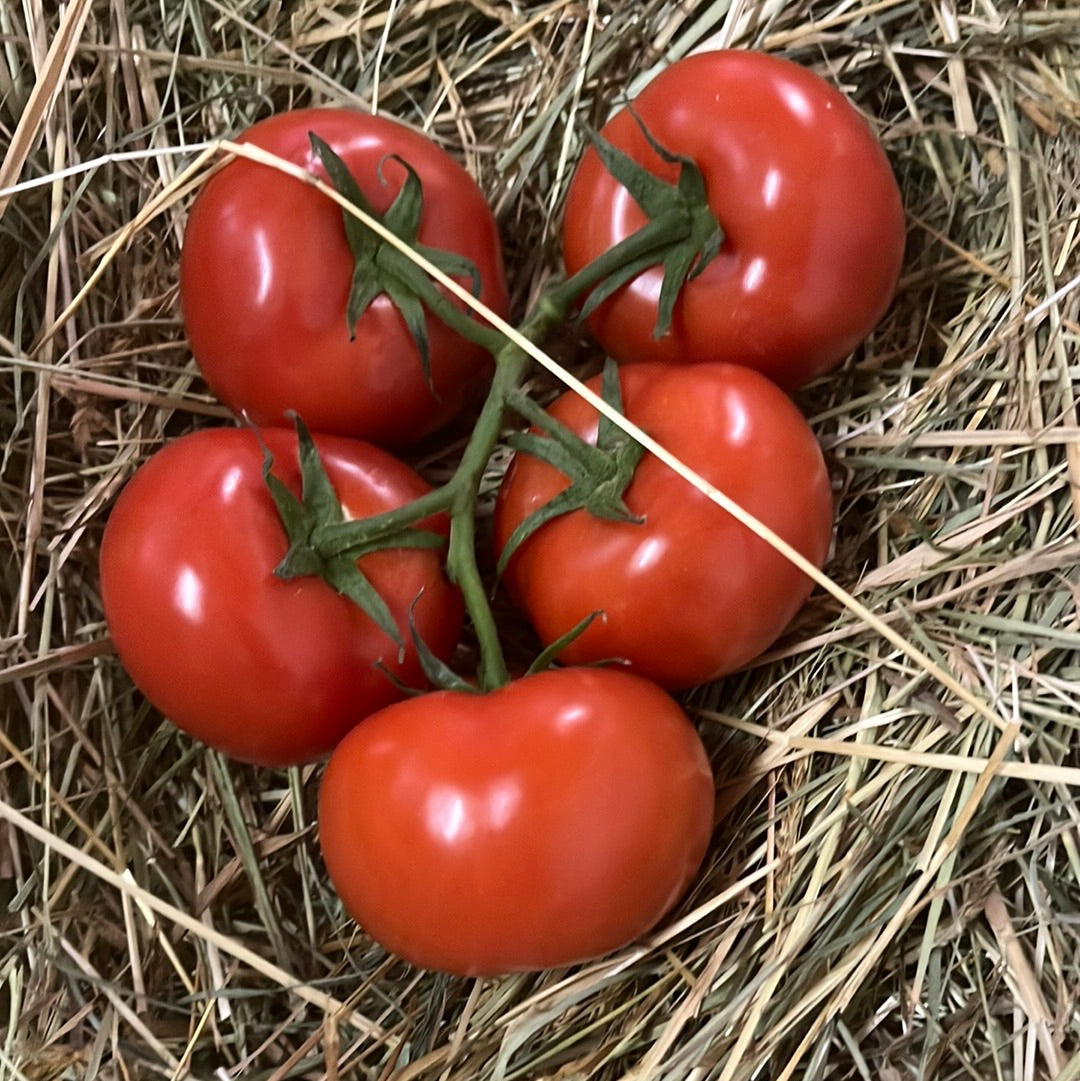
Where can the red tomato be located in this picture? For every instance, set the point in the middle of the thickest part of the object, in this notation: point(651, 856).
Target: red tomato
point(804, 193)
point(690, 594)
point(265, 276)
point(269, 671)
point(550, 821)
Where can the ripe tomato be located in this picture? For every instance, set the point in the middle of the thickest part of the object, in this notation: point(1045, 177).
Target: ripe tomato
point(804, 193)
point(266, 270)
point(550, 821)
point(690, 594)
point(269, 671)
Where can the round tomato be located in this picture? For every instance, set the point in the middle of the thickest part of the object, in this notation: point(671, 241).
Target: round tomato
point(265, 276)
point(811, 213)
point(550, 821)
point(688, 594)
point(270, 671)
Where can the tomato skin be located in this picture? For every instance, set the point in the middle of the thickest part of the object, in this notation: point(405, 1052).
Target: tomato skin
point(265, 274)
point(804, 193)
point(269, 671)
point(691, 594)
point(550, 821)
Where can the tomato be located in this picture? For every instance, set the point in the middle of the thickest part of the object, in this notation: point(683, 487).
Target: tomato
point(265, 275)
point(270, 671)
point(813, 222)
point(690, 594)
point(553, 820)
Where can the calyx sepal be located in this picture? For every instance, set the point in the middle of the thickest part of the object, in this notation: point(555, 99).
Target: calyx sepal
point(682, 235)
point(380, 269)
point(599, 474)
point(314, 525)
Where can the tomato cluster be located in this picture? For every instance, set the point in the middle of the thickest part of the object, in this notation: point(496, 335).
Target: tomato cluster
point(284, 596)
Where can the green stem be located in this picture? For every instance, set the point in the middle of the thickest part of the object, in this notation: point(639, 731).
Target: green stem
point(341, 537)
point(459, 495)
point(541, 419)
point(511, 364)
point(465, 486)
point(462, 323)
point(651, 239)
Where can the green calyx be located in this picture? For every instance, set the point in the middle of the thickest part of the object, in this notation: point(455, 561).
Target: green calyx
point(323, 544)
point(383, 270)
point(550, 654)
point(436, 671)
point(599, 474)
point(682, 235)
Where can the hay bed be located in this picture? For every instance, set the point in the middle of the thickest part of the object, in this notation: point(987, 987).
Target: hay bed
point(895, 893)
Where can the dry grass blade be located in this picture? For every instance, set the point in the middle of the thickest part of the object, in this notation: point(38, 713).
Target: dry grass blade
point(893, 887)
point(50, 79)
point(149, 904)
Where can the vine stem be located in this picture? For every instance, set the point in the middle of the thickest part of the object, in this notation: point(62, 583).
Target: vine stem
point(513, 350)
point(463, 490)
point(650, 241)
point(458, 496)
point(460, 493)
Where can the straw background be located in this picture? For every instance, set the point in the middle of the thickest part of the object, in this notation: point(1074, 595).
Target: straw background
point(895, 893)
